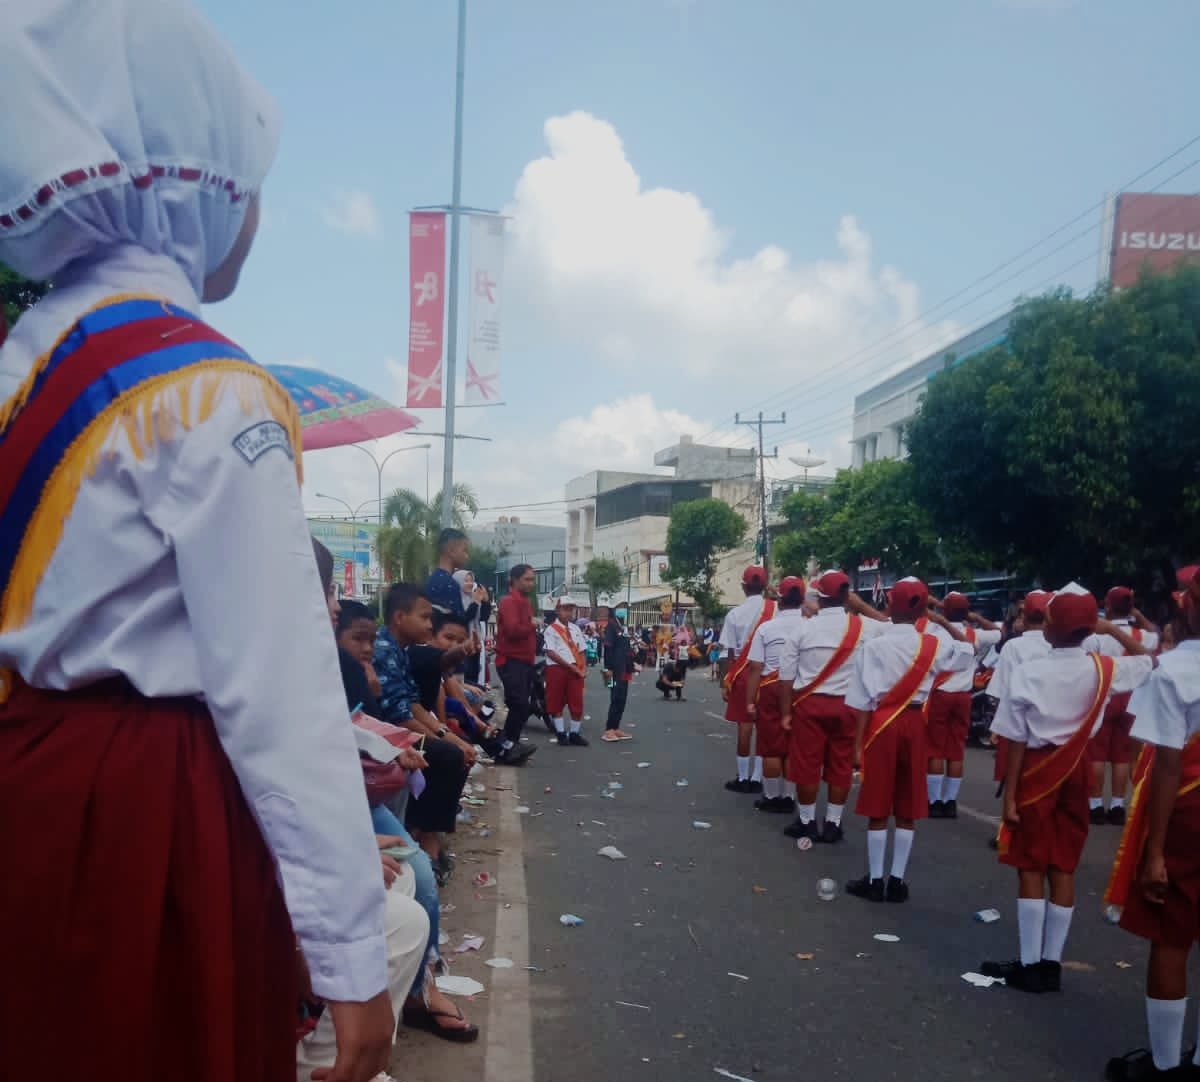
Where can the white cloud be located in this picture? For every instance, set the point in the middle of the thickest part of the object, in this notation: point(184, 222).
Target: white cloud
point(639, 275)
point(353, 212)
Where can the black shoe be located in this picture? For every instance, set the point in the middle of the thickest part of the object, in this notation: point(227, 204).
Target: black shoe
point(993, 842)
point(753, 787)
point(950, 809)
point(866, 887)
point(1035, 979)
point(775, 804)
point(787, 805)
point(1097, 817)
point(738, 785)
point(798, 829)
point(897, 889)
point(1138, 1066)
point(937, 810)
point(1116, 815)
point(577, 740)
point(831, 833)
point(1003, 970)
point(516, 755)
point(1051, 975)
point(563, 741)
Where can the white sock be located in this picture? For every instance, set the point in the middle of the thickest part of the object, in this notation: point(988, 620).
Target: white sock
point(876, 845)
point(1031, 924)
point(743, 767)
point(933, 783)
point(951, 787)
point(901, 849)
point(1058, 924)
point(757, 775)
point(769, 788)
point(506, 744)
point(1165, 1019)
point(789, 789)
point(1095, 802)
point(806, 812)
point(575, 725)
point(833, 814)
point(559, 727)
point(1117, 802)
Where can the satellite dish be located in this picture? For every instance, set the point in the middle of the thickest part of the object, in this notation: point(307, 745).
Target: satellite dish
point(807, 462)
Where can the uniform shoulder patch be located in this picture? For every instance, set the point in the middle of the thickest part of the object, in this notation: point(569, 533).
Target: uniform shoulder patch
point(258, 439)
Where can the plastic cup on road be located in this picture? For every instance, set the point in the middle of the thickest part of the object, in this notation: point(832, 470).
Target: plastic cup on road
point(826, 889)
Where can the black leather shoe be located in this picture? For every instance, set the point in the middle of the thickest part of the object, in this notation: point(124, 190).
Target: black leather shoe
point(1097, 817)
point(563, 741)
point(738, 785)
point(866, 887)
point(798, 829)
point(937, 810)
point(577, 740)
point(831, 833)
point(897, 890)
point(950, 809)
point(1116, 816)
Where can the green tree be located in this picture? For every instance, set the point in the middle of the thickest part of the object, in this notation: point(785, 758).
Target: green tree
point(698, 531)
point(17, 294)
point(603, 576)
point(1072, 450)
point(407, 540)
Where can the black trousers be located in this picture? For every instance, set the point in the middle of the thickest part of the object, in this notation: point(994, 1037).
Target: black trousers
point(666, 689)
point(437, 807)
point(517, 678)
point(618, 697)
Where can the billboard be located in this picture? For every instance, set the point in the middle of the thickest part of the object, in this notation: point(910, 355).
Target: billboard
point(1150, 228)
point(350, 542)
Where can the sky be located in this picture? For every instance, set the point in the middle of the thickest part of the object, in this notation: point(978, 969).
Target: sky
point(715, 206)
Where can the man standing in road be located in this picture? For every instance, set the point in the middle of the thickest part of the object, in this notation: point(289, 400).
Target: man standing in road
point(740, 625)
point(516, 651)
point(619, 666)
point(566, 671)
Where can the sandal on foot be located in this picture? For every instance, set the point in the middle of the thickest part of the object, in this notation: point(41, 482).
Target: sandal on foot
point(424, 1018)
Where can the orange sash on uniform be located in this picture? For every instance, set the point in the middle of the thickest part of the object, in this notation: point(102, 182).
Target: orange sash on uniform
point(893, 704)
point(739, 666)
point(1048, 775)
point(942, 677)
point(767, 680)
point(1137, 825)
point(840, 656)
point(564, 633)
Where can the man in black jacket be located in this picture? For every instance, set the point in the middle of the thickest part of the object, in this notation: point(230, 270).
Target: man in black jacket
point(620, 663)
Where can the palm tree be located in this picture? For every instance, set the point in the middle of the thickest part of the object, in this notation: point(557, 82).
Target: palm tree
point(408, 537)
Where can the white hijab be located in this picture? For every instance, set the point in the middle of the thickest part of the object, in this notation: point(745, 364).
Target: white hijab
point(131, 141)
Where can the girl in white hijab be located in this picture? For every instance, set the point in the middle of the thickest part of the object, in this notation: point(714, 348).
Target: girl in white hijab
point(151, 737)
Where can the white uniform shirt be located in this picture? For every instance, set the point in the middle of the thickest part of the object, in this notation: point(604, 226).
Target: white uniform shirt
point(190, 571)
point(883, 661)
point(555, 641)
point(1166, 707)
point(771, 638)
point(1109, 647)
point(739, 622)
point(1048, 696)
point(809, 650)
point(984, 641)
point(1017, 651)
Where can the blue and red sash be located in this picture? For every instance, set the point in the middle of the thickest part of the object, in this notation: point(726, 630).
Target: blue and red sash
point(101, 378)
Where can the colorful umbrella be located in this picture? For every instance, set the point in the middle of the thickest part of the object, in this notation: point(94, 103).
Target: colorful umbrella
point(335, 412)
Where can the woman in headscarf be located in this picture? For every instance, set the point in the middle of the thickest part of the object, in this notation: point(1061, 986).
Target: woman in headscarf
point(157, 789)
point(476, 610)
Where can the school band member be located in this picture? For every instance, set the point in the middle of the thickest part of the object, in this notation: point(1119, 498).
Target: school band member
point(566, 672)
point(737, 632)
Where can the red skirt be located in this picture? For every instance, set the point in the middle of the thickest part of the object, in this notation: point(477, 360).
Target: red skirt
point(140, 892)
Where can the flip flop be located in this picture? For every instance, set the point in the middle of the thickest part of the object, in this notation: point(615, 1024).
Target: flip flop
point(424, 1018)
point(609, 737)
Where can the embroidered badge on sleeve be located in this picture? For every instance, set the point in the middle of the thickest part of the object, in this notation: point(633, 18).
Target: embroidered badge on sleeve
point(258, 439)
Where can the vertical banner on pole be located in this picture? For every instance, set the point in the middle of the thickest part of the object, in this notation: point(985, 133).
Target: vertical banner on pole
point(427, 308)
point(487, 277)
point(348, 579)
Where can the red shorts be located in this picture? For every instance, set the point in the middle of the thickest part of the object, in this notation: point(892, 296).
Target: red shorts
point(563, 690)
point(145, 886)
point(1000, 769)
point(772, 737)
point(946, 725)
point(735, 707)
point(1054, 829)
point(893, 770)
point(822, 742)
point(1111, 744)
point(1175, 923)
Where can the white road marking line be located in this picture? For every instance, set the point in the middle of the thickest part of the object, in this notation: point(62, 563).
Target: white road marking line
point(982, 817)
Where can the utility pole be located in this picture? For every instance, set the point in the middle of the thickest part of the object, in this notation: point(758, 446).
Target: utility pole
point(760, 422)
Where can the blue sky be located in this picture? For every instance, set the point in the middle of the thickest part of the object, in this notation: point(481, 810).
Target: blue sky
point(734, 205)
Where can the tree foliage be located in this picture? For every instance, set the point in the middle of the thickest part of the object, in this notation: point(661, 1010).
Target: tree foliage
point(407, 541)
point(603, 576)
point(698, 531)
point(17, 294)
point(1072, 451)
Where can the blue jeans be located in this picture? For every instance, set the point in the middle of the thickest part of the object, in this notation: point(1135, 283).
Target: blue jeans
point(426, 893)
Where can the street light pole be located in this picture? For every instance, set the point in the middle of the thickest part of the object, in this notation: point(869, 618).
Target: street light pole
point(452, 307)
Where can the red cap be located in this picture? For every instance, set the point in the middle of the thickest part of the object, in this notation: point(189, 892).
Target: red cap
point(910, 595)
point(1036, 601)
point(956, 602)
point(792, 585)
point(1185, 575)
point(1119, 598)
point(754, 576)
point(1072, 609)
point(831, 584)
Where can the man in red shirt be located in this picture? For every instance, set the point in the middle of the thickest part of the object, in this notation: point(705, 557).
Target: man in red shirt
point(516, 649)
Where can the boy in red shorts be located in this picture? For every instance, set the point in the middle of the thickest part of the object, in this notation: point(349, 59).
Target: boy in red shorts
point(762, 699)
point(814, 677)
point(566, 671)
point(1157, 873)
point(893, 675)
point(1051, 710)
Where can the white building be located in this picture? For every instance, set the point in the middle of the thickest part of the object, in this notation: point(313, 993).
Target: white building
point(881, 412)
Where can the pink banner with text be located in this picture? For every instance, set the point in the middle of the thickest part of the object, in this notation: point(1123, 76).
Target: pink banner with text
point(427, 308)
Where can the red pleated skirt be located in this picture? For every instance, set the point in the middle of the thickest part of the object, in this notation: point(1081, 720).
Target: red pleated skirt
point(143, 933)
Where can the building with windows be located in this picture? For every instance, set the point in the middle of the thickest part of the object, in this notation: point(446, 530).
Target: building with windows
point(882, 411)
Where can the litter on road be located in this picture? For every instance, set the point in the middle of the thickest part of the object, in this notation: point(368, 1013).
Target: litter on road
point(987, 916)
point(1124, 965)
point(499, 963)
point(980, 981)
point(569, 920)
point(826, 889)
point(642, 766)
point(887, 937)
point(612, 852)
point(807, 957)
point(484, 879)
point(522, 809)
point(459, 986)
point(804, 844)
point(700, 824)
point(739, 976)
point(469, 943)
point(637, 1006)
point(759, 890)
point(615, 785)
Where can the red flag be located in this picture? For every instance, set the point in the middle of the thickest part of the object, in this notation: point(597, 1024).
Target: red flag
point(427, 307)
point(348, 579)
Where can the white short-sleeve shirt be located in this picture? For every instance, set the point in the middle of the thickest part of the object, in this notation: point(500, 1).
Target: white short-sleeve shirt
point(815, 642)
point(739, 622)
point(882, 663)
point(984, 641)
point(770, 640)
point(1166, 707)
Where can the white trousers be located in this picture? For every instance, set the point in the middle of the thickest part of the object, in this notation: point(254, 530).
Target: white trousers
point(406, 927)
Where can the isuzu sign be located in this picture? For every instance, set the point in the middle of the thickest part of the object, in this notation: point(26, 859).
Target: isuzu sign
point(1155, 230)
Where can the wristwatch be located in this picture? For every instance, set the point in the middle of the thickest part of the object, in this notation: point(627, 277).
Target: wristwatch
point(443, 731)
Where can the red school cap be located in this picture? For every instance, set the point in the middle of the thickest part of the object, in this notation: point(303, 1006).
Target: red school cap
point(909, 595)
point(831, 584)
point(754, 576)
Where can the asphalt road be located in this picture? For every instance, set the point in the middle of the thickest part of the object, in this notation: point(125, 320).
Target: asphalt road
point(667, 929)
